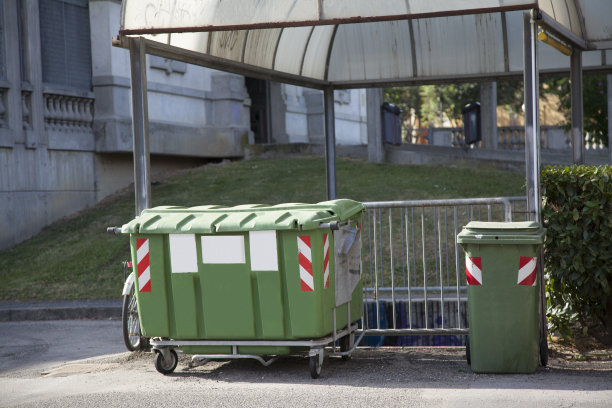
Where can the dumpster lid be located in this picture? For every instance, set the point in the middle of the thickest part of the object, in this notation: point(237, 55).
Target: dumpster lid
point(211, 219)
point(524, 226)
point(480, 232)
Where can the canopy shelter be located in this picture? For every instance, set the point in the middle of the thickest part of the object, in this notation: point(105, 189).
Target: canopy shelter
point(339, 44)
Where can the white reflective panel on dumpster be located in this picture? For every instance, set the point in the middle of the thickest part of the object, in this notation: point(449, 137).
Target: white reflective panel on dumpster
point(223, 249)
point(183, 253)
point(262, 246)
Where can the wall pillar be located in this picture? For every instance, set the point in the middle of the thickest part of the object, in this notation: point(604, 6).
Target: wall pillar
point(577, 113)
point(488, 114)
point(374, 100)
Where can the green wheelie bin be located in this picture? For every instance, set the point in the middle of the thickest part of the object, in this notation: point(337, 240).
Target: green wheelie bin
point(504, 303)
point(248, 281)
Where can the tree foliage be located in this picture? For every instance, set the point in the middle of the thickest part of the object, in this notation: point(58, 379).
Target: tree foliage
point(449, 100)
point(405, 98)
point(594, 103)
point(432, 102)
point(577, 213)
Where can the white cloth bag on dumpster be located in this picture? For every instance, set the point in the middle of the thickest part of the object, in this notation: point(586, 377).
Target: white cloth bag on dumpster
point(347, 263)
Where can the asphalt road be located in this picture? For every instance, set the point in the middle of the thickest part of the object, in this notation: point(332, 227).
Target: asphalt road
point(83, 363)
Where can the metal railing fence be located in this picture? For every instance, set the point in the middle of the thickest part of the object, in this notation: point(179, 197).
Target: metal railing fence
point(412, 266)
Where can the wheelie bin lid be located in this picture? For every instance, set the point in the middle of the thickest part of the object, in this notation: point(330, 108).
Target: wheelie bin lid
point(210, 219)
point(481, 232)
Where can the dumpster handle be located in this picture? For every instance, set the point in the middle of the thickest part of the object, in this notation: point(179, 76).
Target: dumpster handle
point(113, 230)
point(333, 225)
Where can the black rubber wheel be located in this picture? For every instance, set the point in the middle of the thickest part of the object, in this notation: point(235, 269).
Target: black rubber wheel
point(468, 356)
point(544, 352)
point(345, 345)
point(131, 326)
point(163, 366)
point(315, 366)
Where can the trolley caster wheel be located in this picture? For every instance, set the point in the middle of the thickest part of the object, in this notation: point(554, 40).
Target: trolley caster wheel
point(468, 356)
point(168, 364)
point(544, 352)
point(315, 363)
point(345, 345)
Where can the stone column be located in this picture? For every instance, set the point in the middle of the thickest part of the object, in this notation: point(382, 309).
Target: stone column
point(488, 114)
point(577, 111)
point(374, 100)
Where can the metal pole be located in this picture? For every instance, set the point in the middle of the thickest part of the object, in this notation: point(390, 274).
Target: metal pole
point(140, 125)
point(577, 116)
point(532, 152)
point(532, 117)
point(609, 77)
point(330, 142)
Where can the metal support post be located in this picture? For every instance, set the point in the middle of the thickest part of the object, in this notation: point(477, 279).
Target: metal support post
point(609, 77)
point(532, 153)
point(140, 125)
point(532, 118)
point(576, 97)
point(330, 142)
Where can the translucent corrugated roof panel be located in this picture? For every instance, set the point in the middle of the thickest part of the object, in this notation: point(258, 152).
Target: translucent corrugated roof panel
point(351, 43)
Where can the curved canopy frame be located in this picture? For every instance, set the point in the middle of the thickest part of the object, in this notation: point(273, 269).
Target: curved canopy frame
point(334, 44)
point(329, 44)
point(360, 43)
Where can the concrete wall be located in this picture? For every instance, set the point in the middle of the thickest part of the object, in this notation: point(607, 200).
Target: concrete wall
point(43, 176)
point(193, 111)
point(304, 115)
point(40, 186)
point(62, 150)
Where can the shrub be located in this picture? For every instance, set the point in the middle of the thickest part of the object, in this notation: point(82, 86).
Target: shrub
point(577, 212)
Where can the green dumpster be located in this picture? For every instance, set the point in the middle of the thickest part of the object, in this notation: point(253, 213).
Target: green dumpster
point(247, 280)
point(503, 295)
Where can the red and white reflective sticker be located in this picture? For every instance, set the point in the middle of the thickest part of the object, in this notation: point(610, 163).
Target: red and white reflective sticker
point(325, 261)
point(527, 271)
point(305, 262)
point(473, 270)
point(144, 269)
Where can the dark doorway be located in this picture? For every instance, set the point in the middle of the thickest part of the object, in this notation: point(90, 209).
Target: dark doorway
point(259, 91)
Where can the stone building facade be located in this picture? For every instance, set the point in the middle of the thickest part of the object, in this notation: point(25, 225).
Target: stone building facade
point(65, 112)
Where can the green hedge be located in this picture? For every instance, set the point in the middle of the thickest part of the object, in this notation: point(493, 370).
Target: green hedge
point(577, 212)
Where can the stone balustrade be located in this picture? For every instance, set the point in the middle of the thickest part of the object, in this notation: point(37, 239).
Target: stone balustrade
point(554, 138)
point(68, 113)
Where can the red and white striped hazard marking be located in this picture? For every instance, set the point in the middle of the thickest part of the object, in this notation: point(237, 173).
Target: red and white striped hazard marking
point(305, 261)
point(325, 261)
point(527, 271)
point(144, 269)
point(473, 270)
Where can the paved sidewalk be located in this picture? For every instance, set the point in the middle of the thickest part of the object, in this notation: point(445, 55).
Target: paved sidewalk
point(102, 309)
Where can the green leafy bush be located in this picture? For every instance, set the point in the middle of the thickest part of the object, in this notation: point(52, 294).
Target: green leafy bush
point(577, 212)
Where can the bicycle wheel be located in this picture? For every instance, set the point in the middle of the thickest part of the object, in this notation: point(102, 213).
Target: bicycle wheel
point(131, 325)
